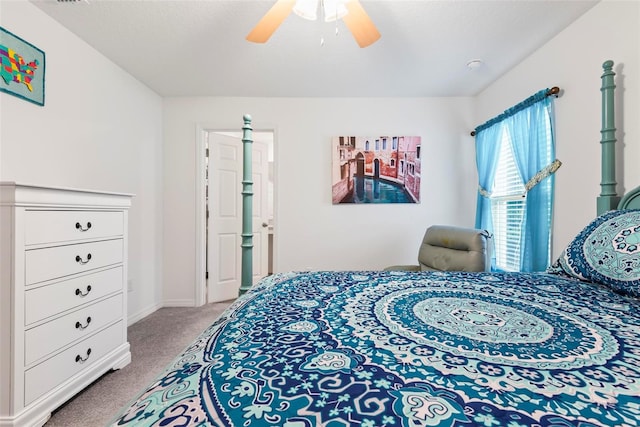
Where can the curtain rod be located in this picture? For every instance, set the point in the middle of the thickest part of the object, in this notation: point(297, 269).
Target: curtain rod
point(553, 91)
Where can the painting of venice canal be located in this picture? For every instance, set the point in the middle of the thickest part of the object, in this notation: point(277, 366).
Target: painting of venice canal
point(378, 169)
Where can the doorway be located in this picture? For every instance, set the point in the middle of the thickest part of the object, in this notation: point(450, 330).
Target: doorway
point(222, 173)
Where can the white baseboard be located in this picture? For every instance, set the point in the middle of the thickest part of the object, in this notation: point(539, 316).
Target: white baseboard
point(179, 303)
point(133, 318)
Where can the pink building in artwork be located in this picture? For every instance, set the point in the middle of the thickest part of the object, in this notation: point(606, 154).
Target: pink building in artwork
point(394, 159)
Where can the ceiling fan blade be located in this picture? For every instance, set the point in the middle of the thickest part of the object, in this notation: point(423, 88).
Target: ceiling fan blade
point(360, 25)
point(271, 21)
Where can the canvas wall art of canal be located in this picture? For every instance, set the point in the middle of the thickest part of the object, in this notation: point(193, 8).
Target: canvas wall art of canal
point(376, 169)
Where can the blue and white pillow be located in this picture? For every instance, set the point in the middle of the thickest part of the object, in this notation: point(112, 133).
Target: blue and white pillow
point(607, 251)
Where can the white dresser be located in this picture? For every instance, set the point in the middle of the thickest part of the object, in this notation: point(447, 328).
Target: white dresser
point(63, 295)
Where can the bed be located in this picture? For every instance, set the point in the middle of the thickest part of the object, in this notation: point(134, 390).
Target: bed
point(418, 349)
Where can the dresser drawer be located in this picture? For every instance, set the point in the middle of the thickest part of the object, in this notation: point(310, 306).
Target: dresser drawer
point(61, 226)
point(46, 301)
point(49, 337)
point(54, 371)
point(51, 263)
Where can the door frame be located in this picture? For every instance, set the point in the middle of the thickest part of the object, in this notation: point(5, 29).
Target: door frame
point(200, 286)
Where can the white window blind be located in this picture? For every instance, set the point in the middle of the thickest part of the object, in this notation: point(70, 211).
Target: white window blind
point(508, 201)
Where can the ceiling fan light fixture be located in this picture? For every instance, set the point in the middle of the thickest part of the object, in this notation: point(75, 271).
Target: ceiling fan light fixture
point(334, 10)
point(307, 9)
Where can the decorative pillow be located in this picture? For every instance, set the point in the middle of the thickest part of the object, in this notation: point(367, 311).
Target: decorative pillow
point(607, 251)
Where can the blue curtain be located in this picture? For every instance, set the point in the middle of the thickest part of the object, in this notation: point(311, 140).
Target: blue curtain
point(528, 131)
point(487, 150)
point(526, 124)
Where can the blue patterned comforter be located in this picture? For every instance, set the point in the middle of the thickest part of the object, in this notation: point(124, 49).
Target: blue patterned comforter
point(376, 349)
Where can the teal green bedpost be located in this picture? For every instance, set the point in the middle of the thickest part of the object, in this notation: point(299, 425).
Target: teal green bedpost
point(247, 207)
point(608, 199)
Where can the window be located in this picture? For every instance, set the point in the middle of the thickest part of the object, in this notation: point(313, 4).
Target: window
point(377, 145)
point(384, 143)
point(418, 152)
point(394, 143)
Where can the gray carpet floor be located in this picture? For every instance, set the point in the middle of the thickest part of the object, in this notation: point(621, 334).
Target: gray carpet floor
point(155, 342)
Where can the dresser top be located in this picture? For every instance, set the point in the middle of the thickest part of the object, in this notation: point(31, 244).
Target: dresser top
point(19, 194)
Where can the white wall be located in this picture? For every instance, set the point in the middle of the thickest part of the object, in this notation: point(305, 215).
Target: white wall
point(311, 233)
point(99, 129)
point(573, 61)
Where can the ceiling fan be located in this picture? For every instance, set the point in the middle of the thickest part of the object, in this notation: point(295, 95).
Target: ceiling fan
point(350, 11)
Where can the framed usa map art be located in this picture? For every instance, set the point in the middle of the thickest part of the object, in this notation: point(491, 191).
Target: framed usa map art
point(21, 68)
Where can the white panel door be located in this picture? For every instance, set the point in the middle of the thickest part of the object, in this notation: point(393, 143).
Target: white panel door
point(225, 217)
point(224, 257)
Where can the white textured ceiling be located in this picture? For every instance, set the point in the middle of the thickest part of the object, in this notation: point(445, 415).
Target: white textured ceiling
point(198, 47)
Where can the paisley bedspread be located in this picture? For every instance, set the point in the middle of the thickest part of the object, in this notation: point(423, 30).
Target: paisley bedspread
point(382, 349)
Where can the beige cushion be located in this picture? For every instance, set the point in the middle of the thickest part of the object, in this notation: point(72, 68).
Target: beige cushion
point(448, 248)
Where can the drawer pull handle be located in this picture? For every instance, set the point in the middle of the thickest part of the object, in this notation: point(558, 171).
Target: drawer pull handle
point(81, 326)
point(83, 294)
point(81, 359)
point(81, 228)
point(81, 261)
